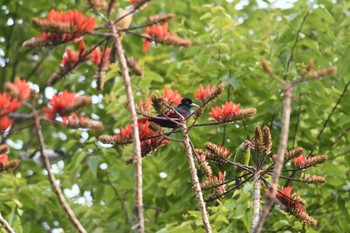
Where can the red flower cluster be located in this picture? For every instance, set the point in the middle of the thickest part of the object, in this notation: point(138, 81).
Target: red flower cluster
point(147, 145)
point(64, 104)
point(61, 27)
point(160, 34)
point(3, 159)
point(172, 97)
point(202, 94)
point(226, 112)
point(155, 31)
point(72, 58)
point(99, 57)
point(293, 204)
point(144, 107)
point(6, 165)
point(11, 101)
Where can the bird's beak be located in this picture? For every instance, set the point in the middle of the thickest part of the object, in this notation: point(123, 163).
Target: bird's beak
point(194, 105)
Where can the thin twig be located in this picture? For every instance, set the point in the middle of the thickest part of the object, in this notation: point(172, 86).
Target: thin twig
point(135, 135)
point(52, 178)
point(331, 114)
point(6, 225)
point(195, 180)
point(295, 44)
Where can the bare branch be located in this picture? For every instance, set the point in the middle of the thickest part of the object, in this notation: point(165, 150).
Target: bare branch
point(135, 135)
point(6, 225)
point(52, 178)
point(195, 180)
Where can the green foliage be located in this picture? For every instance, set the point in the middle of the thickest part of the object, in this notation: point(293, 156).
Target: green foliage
point(229, 44)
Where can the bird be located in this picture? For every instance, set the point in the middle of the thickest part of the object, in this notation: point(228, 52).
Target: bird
point(53, 155)
point(125, 22)
point(183, 108)
point(242, 156)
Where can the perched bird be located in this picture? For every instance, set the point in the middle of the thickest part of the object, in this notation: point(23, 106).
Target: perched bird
point(125, 22)
point(183, 108)
point(54, 156)
point(242, 156)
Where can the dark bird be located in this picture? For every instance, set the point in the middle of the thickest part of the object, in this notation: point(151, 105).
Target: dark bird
point(183, 108)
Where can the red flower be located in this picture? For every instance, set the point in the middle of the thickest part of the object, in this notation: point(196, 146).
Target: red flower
point(147, 145)
point(155, 32)
point(215, 181)
point(64, 103)
point(5, 122)
point(202, 94)
point(97, 57)
point(3, 159)
point(8, 105)
point(60, 27)
point(172, 97)
point(72, 58)
point(145, 107)
point(76, 22)
point(22, 88)
point(226, 112)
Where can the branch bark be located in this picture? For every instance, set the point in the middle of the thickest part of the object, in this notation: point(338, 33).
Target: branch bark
point(52, 178)
point(6, 225)
point(287, 98)
point(195, 180)
point(135, 130)
point(256, 202)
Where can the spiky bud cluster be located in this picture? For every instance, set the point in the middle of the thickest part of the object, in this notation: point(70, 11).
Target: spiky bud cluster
point(161, 18)
point(301, 162)
point(266, 65)
point(158, 103)
point(243, 114)
point(216, 152)
point(198, 113)
point(4, 148)
point(80, 102)
point(134, 66)
point(83, 122)
point(213, 182)
point(302, 216)
point(315, 74)
point(312, 179)
point(202, 160)
point(174, 40)
point(9, 166)
point(291, 154)
point(107, 139)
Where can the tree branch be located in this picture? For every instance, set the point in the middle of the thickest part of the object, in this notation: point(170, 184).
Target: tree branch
point(6, 225)
point(135, 135)
point(52, 178)
point(287, 90)
point(195, 180)
point(257, 197)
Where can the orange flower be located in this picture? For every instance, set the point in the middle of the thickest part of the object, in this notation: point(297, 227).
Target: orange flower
point(65, 103)
point(8, 105)
point(155, 32)
point(147, 145)
point(202, 94)
point(60, 27)
point(172, 97)
point(73, 58)
point(5, 122)
point(22, 88)
point(215, 181)
point(226, 112)
point(3, 159)
point(97, 57)
point(145, 107)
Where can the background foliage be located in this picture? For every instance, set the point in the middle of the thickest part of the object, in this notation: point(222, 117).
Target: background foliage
point(230, 38)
